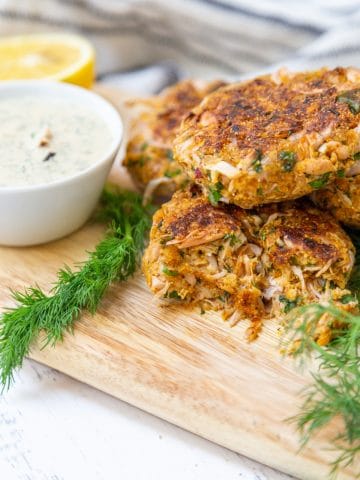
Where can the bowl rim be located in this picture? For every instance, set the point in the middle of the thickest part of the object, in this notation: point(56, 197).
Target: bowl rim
point(112, 119)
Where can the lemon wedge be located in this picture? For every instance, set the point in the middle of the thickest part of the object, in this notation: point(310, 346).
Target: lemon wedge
point(64, 57)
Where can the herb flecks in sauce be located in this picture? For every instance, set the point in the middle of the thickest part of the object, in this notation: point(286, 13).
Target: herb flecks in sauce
point(49, 156)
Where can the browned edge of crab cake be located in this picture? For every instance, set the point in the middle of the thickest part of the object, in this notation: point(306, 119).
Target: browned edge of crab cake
point(342, 199)
point(274, 138)
point(155, 120)
point(248, 264)
point(308, 258)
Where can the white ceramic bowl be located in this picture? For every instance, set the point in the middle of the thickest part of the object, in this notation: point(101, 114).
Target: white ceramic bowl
point(37, 214)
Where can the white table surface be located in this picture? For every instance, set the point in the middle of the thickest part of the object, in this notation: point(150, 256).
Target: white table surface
point(55, 428)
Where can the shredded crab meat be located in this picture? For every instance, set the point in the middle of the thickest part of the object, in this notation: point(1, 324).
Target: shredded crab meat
point(271, 291)
point(313, 268)
point(313, 290)
point(213, 264)
point(218, 275)
point(190, 278)
point(234, 318)
point(273, 216)
point(325, 267)
point(353, 170)
point(255, 249)
point(225, 169)
point(297, 271)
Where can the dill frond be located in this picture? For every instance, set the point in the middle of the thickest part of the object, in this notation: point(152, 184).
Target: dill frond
point(115, 258)
point(335, 391)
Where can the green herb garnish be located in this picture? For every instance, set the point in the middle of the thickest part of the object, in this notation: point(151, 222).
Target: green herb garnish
point(169, 155)
point(171, 273)
point(335, 388)
point(340, 173)
point(174, 294)
point(232, 237)
point(114, 259)
point(289, 304)
point(215, 193)
point(144, 146)
point(321, 181)
point(257, 166)
point(356, 156)
point(172, 174)
point(288, 159)
point(166, 239)
point(351, 98)
point(224, 297)
point(347, 299)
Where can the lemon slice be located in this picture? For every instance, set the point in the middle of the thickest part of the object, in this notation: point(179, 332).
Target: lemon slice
point(64, 57)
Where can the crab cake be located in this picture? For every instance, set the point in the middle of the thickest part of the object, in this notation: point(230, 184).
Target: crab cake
point(249, 264)
point(155, 120)
point(307, 258)
point(273, 138)
point(342, 199)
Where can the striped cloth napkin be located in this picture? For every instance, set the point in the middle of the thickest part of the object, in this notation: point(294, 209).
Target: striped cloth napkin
point(146, 45)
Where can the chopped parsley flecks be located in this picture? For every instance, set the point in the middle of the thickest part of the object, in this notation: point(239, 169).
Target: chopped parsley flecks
point(174, 294)
point(169, 155)
point(257, 165)
point(172, 174)
point(49, 156)
point(171, 273)
point(262, 235)
point(352, 99)
point(321, 181)
point(215, 193)
point(289, 304)
point(144, 146)
point(288, 159)
point(340, 173)
point(347, 298)
point(232, 237)
point(224, 297)
point(166, 239)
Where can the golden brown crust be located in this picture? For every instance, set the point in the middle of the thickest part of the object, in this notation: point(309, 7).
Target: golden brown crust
point(154, 125)
point(342, 199)
point(250, 264)
point(273, 138)
point(302, 236)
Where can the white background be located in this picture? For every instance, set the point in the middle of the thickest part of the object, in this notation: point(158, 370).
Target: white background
point(55, 428)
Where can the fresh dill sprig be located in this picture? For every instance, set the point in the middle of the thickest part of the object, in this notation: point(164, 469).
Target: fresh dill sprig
point(335, 391)
point(115, 258)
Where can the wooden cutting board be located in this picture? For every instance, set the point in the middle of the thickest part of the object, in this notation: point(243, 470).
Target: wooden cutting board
point(190, 369)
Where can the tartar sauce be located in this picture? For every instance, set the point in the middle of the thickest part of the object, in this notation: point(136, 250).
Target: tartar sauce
point(46, 139)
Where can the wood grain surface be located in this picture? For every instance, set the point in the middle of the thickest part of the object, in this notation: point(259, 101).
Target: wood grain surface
point(190, 369)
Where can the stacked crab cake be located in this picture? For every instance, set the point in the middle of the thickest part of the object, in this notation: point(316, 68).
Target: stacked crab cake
point(149, 156)
point(240, 239)
point(273, 138)
point(250, 264)
point(342, 199)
